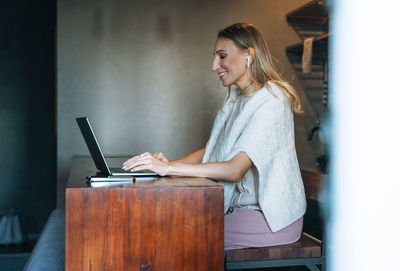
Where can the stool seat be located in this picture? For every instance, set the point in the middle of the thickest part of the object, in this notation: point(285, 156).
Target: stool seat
point(308, 251)
point(303, 248)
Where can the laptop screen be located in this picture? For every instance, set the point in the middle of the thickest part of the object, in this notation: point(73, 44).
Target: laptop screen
point(93, 146)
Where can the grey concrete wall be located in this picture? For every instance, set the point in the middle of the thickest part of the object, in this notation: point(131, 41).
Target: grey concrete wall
point(141, 71)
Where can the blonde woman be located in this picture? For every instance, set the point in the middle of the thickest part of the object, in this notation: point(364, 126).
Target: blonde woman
point(251, 149)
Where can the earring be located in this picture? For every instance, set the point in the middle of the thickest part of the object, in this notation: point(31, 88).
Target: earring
point(248, 61)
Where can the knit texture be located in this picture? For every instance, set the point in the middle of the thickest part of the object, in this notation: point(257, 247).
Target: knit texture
point(264, 130)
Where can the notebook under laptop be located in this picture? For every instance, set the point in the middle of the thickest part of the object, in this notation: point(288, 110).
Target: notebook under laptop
point(98, 157)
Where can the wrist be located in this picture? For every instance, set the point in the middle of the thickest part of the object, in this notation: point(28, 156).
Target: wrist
point(170, 168)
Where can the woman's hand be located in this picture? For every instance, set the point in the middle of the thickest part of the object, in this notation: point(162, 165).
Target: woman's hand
point(157, 163)
point(160, 156)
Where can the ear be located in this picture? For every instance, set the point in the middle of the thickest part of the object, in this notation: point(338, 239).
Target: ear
point(252, 53)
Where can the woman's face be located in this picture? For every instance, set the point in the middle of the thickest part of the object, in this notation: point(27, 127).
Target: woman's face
point(230, 63)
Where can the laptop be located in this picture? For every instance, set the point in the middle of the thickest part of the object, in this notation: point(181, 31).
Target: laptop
point(98, 157)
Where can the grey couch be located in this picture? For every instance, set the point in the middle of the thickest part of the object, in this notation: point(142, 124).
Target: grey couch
point(49, 251)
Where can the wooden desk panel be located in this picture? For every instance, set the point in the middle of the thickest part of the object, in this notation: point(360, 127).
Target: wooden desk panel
point(168, 224)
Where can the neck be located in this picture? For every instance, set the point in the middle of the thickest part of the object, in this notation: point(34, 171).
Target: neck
point(249, 89)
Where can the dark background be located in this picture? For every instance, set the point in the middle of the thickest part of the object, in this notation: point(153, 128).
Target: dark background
point(27, 111)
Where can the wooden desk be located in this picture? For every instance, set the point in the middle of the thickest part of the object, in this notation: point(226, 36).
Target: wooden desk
point(167, 224)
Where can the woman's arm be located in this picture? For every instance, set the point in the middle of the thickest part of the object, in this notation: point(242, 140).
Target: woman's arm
point(232, 170)
point(193, 158)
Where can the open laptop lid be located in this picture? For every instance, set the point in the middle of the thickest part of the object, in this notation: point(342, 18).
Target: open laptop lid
point(93, 146)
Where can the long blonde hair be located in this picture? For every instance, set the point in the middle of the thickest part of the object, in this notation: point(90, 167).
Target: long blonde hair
point(262, 69)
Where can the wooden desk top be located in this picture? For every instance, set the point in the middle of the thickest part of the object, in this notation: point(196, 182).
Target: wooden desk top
point(83, 166)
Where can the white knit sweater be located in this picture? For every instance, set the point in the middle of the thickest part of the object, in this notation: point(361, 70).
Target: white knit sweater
point(264, 130)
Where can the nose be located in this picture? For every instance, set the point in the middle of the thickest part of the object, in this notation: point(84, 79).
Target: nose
point(215, 64)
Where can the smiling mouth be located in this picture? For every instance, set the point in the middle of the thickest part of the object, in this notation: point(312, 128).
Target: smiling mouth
point(222, 74)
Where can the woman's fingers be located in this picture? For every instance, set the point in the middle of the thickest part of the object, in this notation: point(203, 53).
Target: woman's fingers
point(139, 168)
point(161, 156)
point(130, 160)
point(146, 161)
point(132, 166)
point(135, 158)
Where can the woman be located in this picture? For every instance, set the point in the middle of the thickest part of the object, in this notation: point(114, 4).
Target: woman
point(251, 150)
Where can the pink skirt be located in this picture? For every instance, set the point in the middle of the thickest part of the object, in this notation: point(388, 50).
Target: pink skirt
point(248, 228)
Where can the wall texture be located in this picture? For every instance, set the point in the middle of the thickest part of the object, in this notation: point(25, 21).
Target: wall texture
point(141, 72)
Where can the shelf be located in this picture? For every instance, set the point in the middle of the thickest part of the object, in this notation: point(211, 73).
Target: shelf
point(315, 12)
point(320, 47)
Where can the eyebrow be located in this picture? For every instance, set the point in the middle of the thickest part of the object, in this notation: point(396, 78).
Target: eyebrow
point(219, 51)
